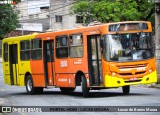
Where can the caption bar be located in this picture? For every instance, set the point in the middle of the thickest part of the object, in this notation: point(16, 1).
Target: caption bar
point(10, 109)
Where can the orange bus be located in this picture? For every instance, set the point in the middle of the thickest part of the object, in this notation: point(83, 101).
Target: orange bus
point(104, 56)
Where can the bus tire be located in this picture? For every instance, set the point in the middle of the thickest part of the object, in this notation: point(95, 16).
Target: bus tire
point(126, 89)
point(29, 85)
point(66, 89)
point(85, 89)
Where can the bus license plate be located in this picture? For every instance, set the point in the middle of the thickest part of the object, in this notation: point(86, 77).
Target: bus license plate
point(132, 79)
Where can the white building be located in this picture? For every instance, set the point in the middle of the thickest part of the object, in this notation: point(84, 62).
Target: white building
point(60, 17)
point(34, 13)
point(51, 14)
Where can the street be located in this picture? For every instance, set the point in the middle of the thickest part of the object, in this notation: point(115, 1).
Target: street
point(139, 96)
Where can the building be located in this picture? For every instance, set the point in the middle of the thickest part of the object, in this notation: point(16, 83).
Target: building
point(60, 17)
point(34, 15)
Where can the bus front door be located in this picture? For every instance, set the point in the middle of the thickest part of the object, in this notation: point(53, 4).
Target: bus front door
point(94, 60)
point(13, 63)
point(49, 62)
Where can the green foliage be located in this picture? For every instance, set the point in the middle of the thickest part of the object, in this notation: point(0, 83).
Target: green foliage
point(114, 10)
point(8, 19)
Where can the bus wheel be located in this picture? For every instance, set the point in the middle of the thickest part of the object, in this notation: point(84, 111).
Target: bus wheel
point(66, 89)
point(29, 85)
point(85, 89)
point(126, 89)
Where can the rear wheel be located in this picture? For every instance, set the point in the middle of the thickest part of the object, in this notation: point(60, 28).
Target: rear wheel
point(66, 89)
point(30, 86)
point(85, 89)
point(126, 89)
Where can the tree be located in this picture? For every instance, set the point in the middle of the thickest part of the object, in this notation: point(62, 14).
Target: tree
point(114, 10)
point(8, 19)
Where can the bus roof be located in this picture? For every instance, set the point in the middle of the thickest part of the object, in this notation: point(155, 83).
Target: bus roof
point(20, 37)
point(68, 31)
point(128, 22)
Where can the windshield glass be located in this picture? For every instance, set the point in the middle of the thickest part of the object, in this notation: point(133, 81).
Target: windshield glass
point(128, 47)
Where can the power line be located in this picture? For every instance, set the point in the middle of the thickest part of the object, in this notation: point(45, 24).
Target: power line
point(47, 3)
point(35, 19)
point(37, 7)
point(52, 10)
point(55, 12)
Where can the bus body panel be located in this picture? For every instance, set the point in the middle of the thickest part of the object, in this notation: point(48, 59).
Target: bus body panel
point(112, 81)
point(38, 73)
point(22, 67)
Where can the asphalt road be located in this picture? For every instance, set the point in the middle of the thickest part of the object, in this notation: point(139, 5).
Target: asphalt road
point(139, 96)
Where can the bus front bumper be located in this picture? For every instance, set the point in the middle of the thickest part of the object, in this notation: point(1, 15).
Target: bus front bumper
point(112, 81)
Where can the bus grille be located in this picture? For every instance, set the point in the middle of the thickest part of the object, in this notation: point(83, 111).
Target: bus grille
point(133, 81)
point(132, 66)
point(126, 70)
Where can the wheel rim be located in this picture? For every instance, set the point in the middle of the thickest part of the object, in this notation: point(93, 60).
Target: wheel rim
point(29, 85)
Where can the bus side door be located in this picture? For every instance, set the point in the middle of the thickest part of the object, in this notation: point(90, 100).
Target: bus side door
point(13, 64)
point(49, 61)
point(94, 60)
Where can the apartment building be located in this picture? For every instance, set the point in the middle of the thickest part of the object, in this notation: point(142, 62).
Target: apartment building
point(43, 15)
point(60, 17)
point(34, 15)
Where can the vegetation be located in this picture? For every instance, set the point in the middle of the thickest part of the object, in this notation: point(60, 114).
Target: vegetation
point(114, 10)
point(8, 19)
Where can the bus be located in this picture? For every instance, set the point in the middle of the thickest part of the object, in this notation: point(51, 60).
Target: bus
point(96, 57)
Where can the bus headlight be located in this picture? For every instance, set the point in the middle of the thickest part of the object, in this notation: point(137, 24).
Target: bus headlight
point(113, 73)
point(150, 71)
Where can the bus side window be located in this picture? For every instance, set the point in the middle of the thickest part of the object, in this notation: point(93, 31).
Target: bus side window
point(25, 50)
point(76, 46)
point(5, 52)
point(62, 46)
point(36, 51)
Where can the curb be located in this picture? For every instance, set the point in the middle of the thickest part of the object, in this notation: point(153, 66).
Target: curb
point(153, 86)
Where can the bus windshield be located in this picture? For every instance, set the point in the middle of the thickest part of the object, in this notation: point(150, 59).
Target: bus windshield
point(128, 47)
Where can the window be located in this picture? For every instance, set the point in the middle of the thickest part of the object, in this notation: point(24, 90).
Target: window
point(62, 47)
point(25, 50)
point(58, 18)
point(44, 8)
point(31, 16)
point(5, 51)
point(50, 51)
point(76, 46)
point(36, 52)
point(79, 19)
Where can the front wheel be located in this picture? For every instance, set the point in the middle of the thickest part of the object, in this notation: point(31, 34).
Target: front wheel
point(126, 89)
point(85, 89)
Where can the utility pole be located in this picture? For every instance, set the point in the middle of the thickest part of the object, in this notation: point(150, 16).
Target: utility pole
point(22, 25)
point(157, 36)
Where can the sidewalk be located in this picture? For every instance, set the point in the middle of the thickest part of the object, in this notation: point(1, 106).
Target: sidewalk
point(154, 85)
point(157, 86)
